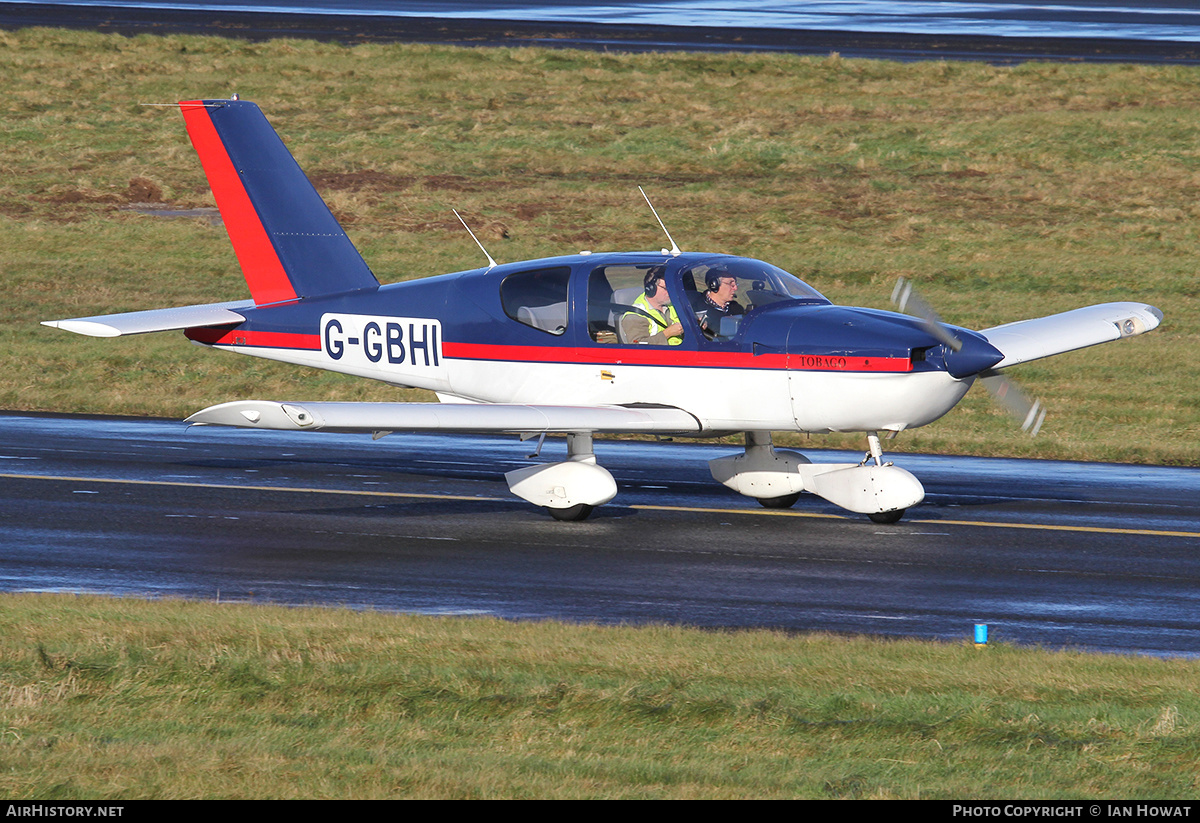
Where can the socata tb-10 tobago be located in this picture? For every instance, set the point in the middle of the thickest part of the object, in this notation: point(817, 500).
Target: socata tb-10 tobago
point(560, 345)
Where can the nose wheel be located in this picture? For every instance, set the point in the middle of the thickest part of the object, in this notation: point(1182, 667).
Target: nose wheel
point(887, 518)
point(572, 513)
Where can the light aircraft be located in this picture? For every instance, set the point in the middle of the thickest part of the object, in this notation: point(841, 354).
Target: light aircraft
point(545, 346)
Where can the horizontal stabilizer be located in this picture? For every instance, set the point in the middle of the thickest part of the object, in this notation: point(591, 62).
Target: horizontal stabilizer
point(455, 417)
point(141, 322)
point(1029, 340)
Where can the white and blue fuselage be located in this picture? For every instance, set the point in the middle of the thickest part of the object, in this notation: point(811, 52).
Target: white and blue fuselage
point(793, 364)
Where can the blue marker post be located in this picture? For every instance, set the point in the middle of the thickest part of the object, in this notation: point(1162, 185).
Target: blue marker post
point(981, 634)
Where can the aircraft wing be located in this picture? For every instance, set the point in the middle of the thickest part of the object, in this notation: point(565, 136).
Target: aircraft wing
point(141, 322)
point(1045, 336)
point(456, 417)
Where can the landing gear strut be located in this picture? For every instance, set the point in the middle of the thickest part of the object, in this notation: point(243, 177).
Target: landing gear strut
point(875, 454)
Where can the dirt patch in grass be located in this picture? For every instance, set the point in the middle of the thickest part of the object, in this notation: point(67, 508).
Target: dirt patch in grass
point(365, 180)
point(72, 196)
point(455, 182)
point(142, 190)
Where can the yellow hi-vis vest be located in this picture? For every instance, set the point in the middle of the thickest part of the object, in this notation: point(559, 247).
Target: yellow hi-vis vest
point(659, 323)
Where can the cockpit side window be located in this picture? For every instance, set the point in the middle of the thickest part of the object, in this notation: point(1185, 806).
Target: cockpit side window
point(537, 298)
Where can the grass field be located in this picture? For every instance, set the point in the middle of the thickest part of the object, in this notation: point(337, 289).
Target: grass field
point(1005, 192)
point(125, 699)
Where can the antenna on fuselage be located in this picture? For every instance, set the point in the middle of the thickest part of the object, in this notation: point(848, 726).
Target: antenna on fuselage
point(674, 250)
point(491, 262)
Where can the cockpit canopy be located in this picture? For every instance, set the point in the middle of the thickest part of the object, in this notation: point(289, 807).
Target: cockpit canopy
point(617, 286)
point(739, 284)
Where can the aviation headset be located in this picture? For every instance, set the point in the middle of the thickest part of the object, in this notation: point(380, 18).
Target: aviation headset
point(712, 277)
point(655, 274)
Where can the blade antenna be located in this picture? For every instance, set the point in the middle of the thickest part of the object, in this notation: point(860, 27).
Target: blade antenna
point(674, 247)
point(491, 262)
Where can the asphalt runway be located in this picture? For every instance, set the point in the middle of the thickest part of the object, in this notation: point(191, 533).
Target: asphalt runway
point(923, 44)
point(1102, 557)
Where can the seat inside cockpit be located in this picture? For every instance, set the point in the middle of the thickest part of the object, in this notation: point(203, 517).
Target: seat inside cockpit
point(612, 292)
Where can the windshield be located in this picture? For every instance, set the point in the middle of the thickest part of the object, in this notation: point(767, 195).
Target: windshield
point(724, 289)
point(758, 283)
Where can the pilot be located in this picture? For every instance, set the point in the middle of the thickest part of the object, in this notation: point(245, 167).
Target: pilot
point(657, 323)
point(719, 300)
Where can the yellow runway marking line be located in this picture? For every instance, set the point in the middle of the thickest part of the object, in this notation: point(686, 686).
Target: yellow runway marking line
point(237, 487)
point(764, 512)
point(1095, 529)
point(913, 522)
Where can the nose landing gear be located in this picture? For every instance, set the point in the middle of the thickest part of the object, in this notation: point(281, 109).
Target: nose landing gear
point(775, 479)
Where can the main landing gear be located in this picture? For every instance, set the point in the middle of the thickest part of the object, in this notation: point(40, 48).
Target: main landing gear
point(784, 501)
point(572, 489)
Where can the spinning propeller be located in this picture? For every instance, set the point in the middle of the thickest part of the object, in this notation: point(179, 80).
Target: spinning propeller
point(964, 353)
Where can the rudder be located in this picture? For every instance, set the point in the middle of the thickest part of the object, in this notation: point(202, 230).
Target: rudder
point(287, 242)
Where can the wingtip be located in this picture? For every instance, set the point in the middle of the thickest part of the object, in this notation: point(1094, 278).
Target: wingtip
point(1140, 319)
point(90, 328)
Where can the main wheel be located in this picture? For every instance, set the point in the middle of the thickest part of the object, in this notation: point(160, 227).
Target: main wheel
point(576, 512)
point(784, 501)
point(887, 518)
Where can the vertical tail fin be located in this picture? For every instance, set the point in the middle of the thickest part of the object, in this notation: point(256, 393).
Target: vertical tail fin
point(287, 242)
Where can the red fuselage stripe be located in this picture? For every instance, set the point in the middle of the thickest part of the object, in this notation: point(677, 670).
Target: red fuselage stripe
point(604, 356)
point(256, 254)
point(265, 339)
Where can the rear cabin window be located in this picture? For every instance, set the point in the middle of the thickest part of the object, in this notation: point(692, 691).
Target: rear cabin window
point(537, 298)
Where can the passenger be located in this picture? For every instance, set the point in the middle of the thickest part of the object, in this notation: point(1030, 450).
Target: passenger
point(719, 300)
point(657, 323)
